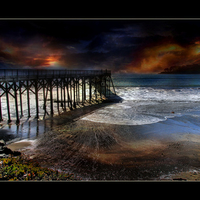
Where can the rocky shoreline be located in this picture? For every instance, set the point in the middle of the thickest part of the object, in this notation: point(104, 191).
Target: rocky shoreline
point(6, 152)
point(17, 166)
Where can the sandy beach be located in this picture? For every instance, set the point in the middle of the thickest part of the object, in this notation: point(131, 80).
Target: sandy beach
point(165, 150)
point(102, 151)
point(22, 145)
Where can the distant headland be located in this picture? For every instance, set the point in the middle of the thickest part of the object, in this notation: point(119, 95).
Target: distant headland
point(187, 69)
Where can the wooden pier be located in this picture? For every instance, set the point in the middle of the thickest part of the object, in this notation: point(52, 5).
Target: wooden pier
point(71, 86)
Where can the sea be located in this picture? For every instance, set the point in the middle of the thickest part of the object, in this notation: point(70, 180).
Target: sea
point(151, 98)
point(146, 99)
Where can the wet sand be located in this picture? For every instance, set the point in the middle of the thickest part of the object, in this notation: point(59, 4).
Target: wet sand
point(22, 145)
point(98, 151)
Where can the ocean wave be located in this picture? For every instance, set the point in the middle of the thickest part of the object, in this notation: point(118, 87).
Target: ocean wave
point(147, 105)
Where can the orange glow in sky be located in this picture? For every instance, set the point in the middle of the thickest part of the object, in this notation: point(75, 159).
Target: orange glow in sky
point(155, 59)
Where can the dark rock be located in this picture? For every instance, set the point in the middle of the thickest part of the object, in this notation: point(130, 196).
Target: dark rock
point(2, 145)
point(180, 179)
point(16, 153)
point(6, 150)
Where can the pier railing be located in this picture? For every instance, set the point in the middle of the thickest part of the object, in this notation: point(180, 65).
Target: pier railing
point(16, 74)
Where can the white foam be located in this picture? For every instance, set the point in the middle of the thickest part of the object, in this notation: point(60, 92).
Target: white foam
point(27, 140)
point(147, 105)
point(145, 93)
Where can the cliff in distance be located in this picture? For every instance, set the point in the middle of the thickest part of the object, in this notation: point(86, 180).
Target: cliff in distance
point(187, 69)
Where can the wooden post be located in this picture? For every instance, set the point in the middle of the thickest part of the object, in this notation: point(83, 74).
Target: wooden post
point(16, 104)
point(1, 116)
point(61, 96)
point(44, 99)
point(70, 85)
point(68, 98)
point(8, 105)
point(28, 99)
point(90, 88)
point(76, 87)
point(95, 88)
point(109, 86)
point(36, 100)
point(51, 95)
point(113, 86)
point(74, 92)
point(82, 90)
point(20, 98)
point(58, 96)
point(78, 91)
point(64, 96)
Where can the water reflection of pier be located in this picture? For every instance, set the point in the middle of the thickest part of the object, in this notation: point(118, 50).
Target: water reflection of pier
point(30, 129)
point(73, 87)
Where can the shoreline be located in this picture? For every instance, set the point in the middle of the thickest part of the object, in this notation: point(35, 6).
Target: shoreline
point(102, 151)
point(22, 145)
point(96, 151)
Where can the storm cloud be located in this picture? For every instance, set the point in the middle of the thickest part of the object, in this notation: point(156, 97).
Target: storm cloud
point(133, 46)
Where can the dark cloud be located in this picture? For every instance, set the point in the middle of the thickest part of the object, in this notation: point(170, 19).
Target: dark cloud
point(95, 44)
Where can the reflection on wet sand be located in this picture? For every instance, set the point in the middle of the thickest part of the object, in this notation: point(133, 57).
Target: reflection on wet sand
point(29, 129)
point(102, 151)
point(99, 151)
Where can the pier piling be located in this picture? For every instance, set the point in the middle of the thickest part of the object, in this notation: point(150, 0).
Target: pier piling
point(28, 98)
point(8, 104)
point(72, 87)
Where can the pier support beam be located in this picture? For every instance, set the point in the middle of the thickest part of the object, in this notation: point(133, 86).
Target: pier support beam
point(95, 88)
point(36, 100)
point(16, 104)
point(70, 86)
point(78, 100)
point(61, 93)
point(51, 96)
point(74, 87)
point(57, 84)
point(68, 97)
point(28, 98)
point(44, 98)
point(8, 105)
point(64, 93)
point(1, 116)
point(90, 88)
point(83, 90)
point(20, 98)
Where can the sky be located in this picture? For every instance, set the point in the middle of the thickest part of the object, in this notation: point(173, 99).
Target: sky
point(122, 46)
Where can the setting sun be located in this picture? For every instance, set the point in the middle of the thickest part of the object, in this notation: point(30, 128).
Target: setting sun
point(52, 61)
